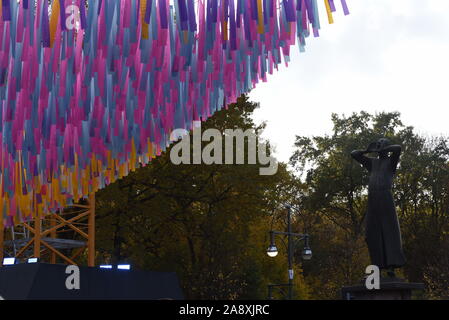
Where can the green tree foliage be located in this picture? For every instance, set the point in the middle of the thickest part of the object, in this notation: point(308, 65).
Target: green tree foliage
point(209, 223)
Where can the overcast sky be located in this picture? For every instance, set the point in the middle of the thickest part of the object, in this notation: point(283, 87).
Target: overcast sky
point(387, 55)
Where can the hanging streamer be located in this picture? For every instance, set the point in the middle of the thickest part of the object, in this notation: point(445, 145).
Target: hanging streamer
point(91, 91)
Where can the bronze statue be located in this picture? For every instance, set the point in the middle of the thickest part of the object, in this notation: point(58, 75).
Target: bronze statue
point(383, 234)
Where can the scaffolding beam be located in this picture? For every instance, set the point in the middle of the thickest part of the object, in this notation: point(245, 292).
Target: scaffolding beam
point(91, 232)
point(45, 240)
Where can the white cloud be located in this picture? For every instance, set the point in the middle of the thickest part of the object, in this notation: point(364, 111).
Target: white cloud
point(386, 56)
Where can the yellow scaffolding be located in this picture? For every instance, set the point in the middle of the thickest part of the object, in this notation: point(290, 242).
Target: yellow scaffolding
point(42, 235)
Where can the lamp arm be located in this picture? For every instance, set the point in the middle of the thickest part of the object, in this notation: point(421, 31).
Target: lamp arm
point(299, 235)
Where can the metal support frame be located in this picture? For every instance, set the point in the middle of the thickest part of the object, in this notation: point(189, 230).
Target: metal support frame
point(290, 236)
point(91, 232)
point(44, 238)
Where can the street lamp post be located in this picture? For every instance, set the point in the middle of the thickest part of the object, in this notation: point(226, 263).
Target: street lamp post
point(272, 252)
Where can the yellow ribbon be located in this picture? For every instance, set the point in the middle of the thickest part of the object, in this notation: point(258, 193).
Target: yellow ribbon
point(329, 12)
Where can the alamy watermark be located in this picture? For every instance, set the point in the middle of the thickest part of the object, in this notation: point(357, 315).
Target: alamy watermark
point(372, 281)
point(72, 282)
point(212, 153)
point(73, 20)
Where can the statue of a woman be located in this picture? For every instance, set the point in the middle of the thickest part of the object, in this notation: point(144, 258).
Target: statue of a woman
point(383, 235)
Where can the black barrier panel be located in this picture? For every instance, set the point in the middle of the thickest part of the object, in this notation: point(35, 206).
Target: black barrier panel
point(48, 281)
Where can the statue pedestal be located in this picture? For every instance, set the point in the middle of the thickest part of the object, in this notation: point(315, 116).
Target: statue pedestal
point(390, 289)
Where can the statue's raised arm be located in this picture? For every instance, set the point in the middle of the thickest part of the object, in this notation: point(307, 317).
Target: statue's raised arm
point(359, 155)
point(395, 150)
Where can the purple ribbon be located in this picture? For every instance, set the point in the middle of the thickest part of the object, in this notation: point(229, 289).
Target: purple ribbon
point(6, 10)
point(148, 11)
point(332, 5)
point(192, 19)
point(289, 10)
point(345, 7)
point(254, 9)
point(183, 14)
point(61, 13)
point(45, 26)
point(83, 15)
point(163, 14)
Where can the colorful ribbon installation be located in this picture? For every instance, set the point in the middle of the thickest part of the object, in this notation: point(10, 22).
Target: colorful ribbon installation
point(81, 107)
